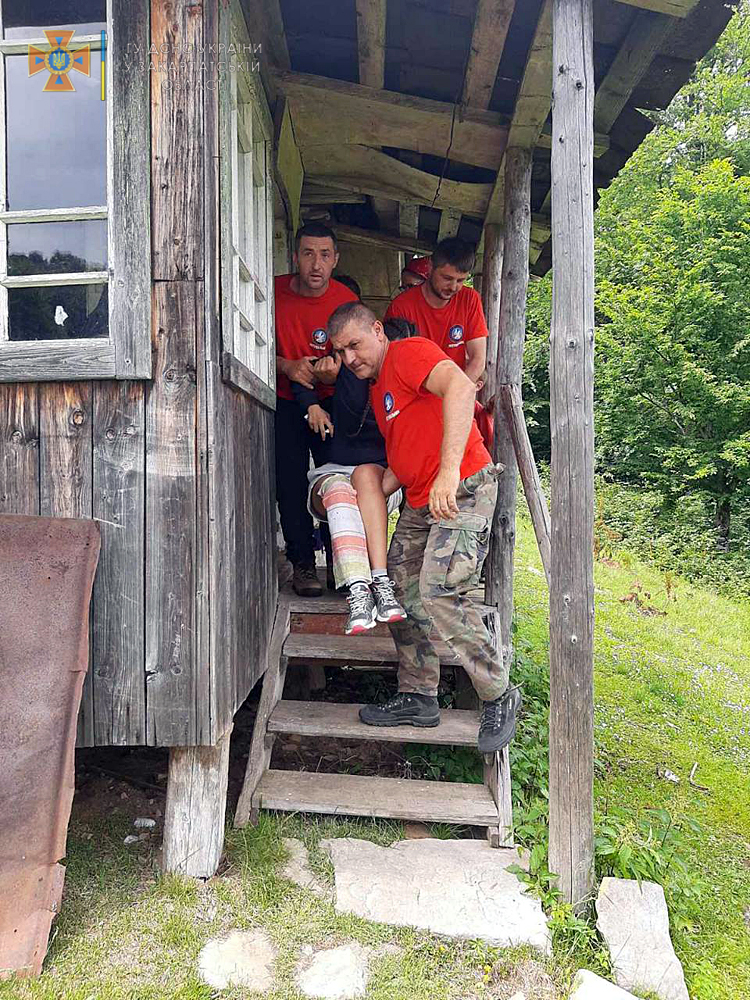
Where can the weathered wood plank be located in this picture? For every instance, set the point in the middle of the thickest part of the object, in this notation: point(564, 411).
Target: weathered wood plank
point(318, 718)
point(353, 795)
point(352, 648)
point(636, 54)
point(65, 449)
point(571, 850)
point(289, 170)
point(19, 449)
point(512, 404)
point(119, 490)
point(130, 210)
point(492, 267)
point(371, 42)
point(491, 23)
point(240, 376)
point(196, 808)
point(49, 360)
point(675, 8)
point(378, 238)
point(177, 144)
point(497, 780)
point(408, 220)
point(449, 224)
point(515, 280)
point(262, 743)
point(321, 107)
point(177, 710)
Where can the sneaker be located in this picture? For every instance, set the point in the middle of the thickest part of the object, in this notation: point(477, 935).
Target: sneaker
point(362, 611)
point(403, 709)
point(497, 726)
point(305, 580)
point(389, 610)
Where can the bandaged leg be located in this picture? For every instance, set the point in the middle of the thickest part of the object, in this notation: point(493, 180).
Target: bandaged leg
point(350, 559)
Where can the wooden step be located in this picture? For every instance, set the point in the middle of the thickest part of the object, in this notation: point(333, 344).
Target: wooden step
point(352, 649)
point(383, 798)
point(322, 718)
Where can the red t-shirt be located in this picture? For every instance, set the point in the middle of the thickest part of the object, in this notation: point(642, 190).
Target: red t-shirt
point(411, 419)
point(301, 322)
point(460, 320)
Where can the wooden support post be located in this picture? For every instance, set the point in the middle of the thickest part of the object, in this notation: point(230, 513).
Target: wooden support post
point(514, 284)
point(497, 779)
point(492, 265)
point(196, 809)
point(571, 413)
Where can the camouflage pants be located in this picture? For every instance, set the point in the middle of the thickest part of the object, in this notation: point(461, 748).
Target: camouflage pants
point(433, 565)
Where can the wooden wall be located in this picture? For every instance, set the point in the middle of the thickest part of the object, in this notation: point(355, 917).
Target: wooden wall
point(178, 470)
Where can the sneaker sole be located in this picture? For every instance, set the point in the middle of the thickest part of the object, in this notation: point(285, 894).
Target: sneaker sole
point(359, 629)
point(392, 618)
point(419, 723)
point(502, 744)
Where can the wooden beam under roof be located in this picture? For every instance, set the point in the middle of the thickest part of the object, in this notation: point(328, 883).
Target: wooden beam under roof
point(371, 42)
point(675, 8)
point(375, 237)
point(322, 108)
point(369, 171)
point(636, 54)
point(449, 223)
point(491, 25)
point(265, 22)
point(408, 220)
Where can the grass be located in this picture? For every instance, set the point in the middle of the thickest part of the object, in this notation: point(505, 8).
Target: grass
point(672, 690)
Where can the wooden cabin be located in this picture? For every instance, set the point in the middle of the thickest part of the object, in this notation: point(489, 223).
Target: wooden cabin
point(136, 302)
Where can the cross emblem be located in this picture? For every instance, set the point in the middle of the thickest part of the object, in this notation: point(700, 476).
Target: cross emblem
point(59, 61)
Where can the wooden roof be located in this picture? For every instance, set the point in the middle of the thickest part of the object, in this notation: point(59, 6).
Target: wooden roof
point(402, 109)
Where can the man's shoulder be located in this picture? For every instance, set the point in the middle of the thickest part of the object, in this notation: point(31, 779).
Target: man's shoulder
point(413, 348)
point(468, 296)
point(340, 293)
point(406, 303)
point(282, 284)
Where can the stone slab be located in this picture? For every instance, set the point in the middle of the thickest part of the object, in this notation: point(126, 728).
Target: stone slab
point(241, 958)
point(334, 973)
point(460, 888)
point(634, 922)
point(588, 986)
point(297, 867)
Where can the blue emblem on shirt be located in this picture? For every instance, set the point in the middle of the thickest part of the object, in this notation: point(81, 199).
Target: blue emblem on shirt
point(320, 336)
point(388, 402)
point(455, 334)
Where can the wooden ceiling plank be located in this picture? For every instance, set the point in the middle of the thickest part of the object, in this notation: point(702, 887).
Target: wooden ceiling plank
point(449, 223)
point(371, 42)
point(487, 43)
point(362, 115)
point(374, 237)
point(675, 8)
point(636, 54)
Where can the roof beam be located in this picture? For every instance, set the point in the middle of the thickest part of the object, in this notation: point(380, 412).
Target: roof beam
point(371, 42)
point(374, 237)
point(322, 107)
point(491, 25)
point(675, 8)
point(636, 54)
point(369, 171)
point(408, 220)
point(449, 223)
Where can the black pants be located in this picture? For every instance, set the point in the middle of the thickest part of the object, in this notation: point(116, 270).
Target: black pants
point(294, 443)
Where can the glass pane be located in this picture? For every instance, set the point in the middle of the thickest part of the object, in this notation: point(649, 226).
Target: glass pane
point(56, 247)
point(56, 142)
point(60, 313)
point(30, 18)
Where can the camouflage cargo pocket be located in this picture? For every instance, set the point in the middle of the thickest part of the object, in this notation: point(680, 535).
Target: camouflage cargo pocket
point(459, 551)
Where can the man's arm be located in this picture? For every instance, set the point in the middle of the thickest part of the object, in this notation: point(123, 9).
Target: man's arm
point(458, 393)
point(297, 371)
point(476, 357)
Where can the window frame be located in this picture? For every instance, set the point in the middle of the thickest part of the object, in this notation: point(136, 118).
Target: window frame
point(126, 352)
point(237, 271)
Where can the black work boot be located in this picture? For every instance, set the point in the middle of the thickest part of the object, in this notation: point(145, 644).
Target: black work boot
point(305, 580)
point(497, 726)
point(403, 709)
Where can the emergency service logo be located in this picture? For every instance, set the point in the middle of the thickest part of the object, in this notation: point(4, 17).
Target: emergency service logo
point(59, 62)
point(320, 337)
point(388, 404)
point(456, 334)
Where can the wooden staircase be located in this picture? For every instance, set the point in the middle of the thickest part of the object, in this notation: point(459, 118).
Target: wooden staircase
point(309, 632)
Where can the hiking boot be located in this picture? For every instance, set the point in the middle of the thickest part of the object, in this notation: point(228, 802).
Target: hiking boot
point(362, 611)
point(305, 580)
point(403, 709)
point(497, 726)
point(389, 610)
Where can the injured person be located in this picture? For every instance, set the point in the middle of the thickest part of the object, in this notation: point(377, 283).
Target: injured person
point(424, 406)
point(354, 493)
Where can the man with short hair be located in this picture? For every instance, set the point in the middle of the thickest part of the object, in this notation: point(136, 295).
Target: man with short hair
point(424, 406)
point(304, 301)
point(445, 311)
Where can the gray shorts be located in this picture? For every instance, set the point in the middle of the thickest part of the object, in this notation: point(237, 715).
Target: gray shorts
point(331, 469)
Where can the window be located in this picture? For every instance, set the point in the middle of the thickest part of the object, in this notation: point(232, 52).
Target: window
point(247, 219)
point(74, 191)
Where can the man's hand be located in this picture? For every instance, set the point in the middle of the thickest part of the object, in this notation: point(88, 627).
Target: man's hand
point(443, 495)
point(327, 369)
point(318, 421)
point(301, 371)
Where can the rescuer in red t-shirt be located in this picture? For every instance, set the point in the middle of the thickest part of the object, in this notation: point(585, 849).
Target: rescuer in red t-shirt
point(444, 310)
point(303, 303)
point(424, 406)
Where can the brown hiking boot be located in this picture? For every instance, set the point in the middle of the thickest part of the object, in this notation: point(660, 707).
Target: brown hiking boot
point(305, 580)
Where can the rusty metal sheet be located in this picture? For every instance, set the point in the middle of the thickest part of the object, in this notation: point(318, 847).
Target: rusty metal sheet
point(47, 568)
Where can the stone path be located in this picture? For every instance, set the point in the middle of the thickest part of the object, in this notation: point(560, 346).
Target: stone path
point(297, 868)
point(241, 958)
point(459, 888)
point(334, 973)
point(588, 986)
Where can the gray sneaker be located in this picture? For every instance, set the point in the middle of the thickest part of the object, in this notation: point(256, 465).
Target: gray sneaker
point(389, 610)
point(362, 611)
